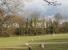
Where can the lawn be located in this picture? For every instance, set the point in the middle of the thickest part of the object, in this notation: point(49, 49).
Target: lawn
point(19, 42)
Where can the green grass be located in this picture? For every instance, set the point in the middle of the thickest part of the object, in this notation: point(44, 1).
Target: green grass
point(19, 42)
point(52, 47)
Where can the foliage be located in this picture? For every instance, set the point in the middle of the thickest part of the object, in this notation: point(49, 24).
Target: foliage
point(13, 25)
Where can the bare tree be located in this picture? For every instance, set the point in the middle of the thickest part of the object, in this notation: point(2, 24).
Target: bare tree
point(11, 6)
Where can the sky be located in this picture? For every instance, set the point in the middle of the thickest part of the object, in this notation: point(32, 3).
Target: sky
point(39, 7)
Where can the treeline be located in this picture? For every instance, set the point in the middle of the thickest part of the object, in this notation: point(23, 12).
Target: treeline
point(13, 25)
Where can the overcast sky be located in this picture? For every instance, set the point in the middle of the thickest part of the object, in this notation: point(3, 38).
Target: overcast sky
point(42, 7)
point(36, 7)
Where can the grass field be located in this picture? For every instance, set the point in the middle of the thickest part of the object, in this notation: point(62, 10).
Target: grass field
point(19, 42)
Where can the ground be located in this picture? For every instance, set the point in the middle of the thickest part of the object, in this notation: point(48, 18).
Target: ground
point(22, 42)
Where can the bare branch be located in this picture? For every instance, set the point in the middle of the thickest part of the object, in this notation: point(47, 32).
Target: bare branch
point(54, 3)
